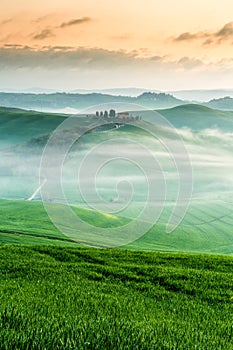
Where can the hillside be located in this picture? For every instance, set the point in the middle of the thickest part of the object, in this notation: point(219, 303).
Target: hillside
point(31, 224)
point(193, 116)
point(18, 125)
point(206, 228)
point(67, 298)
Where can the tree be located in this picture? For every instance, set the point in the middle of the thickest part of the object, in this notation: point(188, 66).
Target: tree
point(106, 114)
point(101, 114)
point(112, 113)
point(97, 114)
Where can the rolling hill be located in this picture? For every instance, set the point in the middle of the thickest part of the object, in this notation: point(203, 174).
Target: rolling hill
point(17, 125)
point(193, 116)
point(207, 225)
point(206, 228)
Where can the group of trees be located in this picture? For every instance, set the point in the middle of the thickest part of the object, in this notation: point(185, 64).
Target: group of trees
point(112, 114)
point(106, 114)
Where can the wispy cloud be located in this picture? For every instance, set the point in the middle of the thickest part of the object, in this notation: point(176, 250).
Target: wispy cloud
point(42, 18)
point(226, 32)
point(5, 21)
point(208, 38)
point(50, 32)
point(44, 34)
point(14, 46)
point(121, 37)
point(191, 36)
point(76, 21)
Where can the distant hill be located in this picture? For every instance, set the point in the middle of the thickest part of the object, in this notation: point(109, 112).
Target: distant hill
point(201, 95)
point(225, 103)
point(76, 101)
point(58, 101)
point(193, 116)
point(130, 91)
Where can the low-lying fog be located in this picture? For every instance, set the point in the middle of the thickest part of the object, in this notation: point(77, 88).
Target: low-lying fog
point(113, 167)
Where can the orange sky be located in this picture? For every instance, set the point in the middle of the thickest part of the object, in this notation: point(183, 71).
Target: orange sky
point(190, 39)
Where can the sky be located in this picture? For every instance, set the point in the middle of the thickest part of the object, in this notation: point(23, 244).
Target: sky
point(73, 44)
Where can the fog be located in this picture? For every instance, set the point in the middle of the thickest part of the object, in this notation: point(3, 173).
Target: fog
point(94, 169)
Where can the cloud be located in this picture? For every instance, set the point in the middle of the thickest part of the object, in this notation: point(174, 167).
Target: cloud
point(156, 58)
point(81, 59)
point(14, 46)
point(49, 32)
point(189, 36)
point(44, 34)
point(8, 20)
point(190, 63)
point(224, 34)
point(52, 57)
point(121, 37)
point(76, 21)
point(41, 18)
point(208, 41)
point(61, 67)
point(226, 31)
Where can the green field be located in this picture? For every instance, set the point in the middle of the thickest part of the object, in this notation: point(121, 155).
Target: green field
point(28, 223)
point(207, 225)
point(85, 298)
point(193, 116)
point(17, 125)
point(200, 232)
point(162, 290)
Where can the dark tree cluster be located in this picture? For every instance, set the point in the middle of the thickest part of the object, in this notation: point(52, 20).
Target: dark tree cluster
point(106, 114)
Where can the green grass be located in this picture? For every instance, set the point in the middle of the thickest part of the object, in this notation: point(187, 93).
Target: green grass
point(206, 228)
point(18, 125)
point(194, 116)
point(85, 298)
point(27, 222)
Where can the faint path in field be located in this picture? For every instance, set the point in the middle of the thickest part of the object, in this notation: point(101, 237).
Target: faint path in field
point(37, 191)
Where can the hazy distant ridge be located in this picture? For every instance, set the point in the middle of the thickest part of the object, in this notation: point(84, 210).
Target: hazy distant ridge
point(56, 101)
point(61, 101)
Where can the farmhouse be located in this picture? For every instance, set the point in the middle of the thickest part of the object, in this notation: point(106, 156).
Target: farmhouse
point(124, 116)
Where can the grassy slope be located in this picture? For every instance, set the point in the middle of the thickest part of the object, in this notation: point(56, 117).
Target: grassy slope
point(206, 228)
point(28, 223)
point(18, 125)
point(198, 232)
point(196, 117)
point(83, 298)
point(30, 124)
